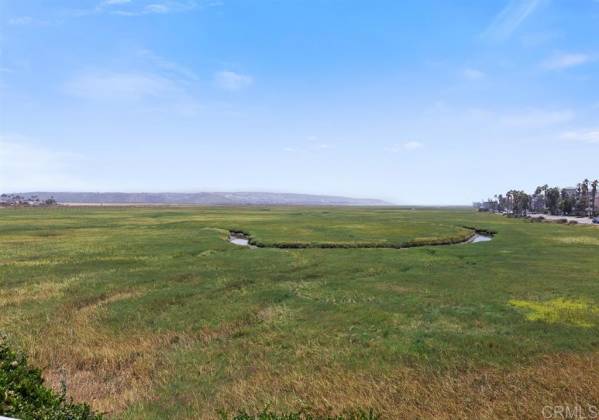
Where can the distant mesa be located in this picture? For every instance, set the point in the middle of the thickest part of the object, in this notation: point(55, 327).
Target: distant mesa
point(205, 198)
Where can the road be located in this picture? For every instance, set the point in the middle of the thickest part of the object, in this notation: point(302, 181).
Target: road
point(581, 220)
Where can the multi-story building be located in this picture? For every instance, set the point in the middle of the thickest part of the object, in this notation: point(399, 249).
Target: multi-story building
point(571, 192)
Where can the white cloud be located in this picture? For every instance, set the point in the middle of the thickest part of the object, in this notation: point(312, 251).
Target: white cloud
point(412, 145)
point(232, 81)
point(143, 7)
point(536, 39)
point(473, 74)
point(21, 20)
point(123, 8)
point(156, 84)
point(115, 2)
point(315, 145)
point(510, 18)
point(134, 91)
point(537, 118)
point(409, 146)
point(27, 21)
point(525, 118)
point(157, 8)
point(166, 65)
point(26, 167)
point(586, 136)
point(565, 60)
point(135, 86)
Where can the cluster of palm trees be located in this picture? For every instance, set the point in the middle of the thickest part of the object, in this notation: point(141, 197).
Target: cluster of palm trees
point(579, 201)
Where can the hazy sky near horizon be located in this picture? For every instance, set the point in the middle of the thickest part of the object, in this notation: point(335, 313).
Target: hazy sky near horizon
point(416, 102)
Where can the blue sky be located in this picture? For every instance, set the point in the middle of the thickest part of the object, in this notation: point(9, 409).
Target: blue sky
point(416, 102)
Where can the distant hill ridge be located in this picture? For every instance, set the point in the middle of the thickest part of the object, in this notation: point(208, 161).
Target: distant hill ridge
point(205, 198)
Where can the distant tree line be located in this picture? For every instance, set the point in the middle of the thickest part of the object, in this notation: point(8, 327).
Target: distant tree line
point(16, 200)
point(579, 201)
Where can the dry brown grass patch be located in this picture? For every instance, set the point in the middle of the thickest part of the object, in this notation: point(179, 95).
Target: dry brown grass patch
point(107, 369)
point(34, 291)
point(521, 392)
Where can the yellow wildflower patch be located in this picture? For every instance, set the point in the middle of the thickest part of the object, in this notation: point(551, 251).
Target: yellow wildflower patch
point(578, 240)
point(579, 313)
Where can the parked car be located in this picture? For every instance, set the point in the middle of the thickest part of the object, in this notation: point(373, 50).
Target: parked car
point(596, 220)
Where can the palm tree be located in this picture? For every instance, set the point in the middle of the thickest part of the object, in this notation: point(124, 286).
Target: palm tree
point(584, 191)
point(565, 203)
point(544, 188)
point(535, 198)
point(578, 203)
point(509, 196)
point(501, 202)
point(594, 185)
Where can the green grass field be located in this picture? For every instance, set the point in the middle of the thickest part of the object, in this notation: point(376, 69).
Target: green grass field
point(151, 313)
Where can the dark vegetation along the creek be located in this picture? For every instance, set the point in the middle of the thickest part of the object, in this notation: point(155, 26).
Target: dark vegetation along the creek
point(152, 313)
point(471, 235)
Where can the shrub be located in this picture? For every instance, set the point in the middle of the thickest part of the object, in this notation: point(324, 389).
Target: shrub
point(24, 396)
point(489, 232)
